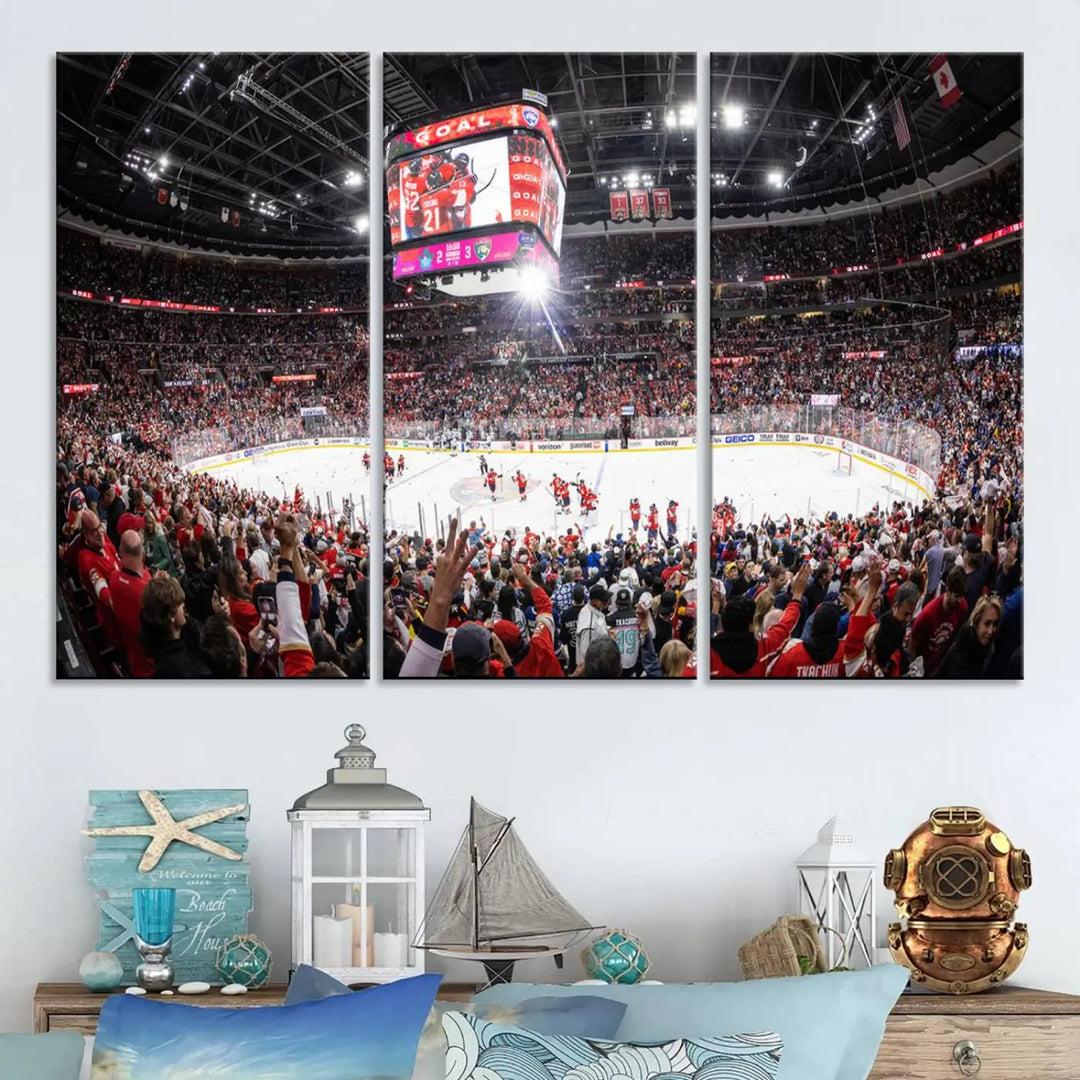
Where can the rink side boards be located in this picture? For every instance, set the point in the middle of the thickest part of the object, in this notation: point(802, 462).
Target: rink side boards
point(902, 470)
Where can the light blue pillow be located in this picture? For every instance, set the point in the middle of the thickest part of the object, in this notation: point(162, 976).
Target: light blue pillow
point(831, 1024)
point(480, 1050)
point(372, 1034)
point(56, 1056)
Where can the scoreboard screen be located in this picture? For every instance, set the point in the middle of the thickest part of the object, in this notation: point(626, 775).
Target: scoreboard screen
point(504, 179)
point(483, 187)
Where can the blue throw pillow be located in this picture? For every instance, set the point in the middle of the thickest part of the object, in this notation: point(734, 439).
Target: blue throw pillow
point(371, 1034)
point(831, 1024)
point(585, 1015)
point(480, 1050)
point(56, 1056)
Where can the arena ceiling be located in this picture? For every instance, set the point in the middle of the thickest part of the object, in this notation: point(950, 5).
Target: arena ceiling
point(278, 142)
point(617, 115)
point(797, 131)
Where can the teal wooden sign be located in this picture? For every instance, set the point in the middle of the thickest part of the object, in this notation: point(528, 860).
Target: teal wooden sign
point(194, 841)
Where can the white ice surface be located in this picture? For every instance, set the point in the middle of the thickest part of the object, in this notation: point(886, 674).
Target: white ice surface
point(779, 480)
point(452, 483)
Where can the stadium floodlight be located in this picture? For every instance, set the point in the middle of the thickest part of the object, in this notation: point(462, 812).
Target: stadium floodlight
point(353, 179)
point(776, 179)
point(532, 283)
point(163, 161)
point(361, 224)
point(734, 117)
point(671, 120)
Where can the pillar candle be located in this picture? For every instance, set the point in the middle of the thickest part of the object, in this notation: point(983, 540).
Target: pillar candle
point(332, 942)
point(353, 911)
point(391, 951)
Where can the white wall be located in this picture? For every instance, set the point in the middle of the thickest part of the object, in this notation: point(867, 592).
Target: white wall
point(676, 813)
point(674, 810)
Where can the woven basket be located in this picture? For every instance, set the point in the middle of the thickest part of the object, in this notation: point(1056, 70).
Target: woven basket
point(775, 952)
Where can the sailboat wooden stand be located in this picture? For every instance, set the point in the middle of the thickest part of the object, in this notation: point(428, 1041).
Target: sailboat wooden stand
point(494, 903)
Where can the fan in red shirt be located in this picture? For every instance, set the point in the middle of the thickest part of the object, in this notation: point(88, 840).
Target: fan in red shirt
point(736, 652)
point(97, 560)
point(934, 629)
point(635, 513)
point(126, 586)
point(825, 655)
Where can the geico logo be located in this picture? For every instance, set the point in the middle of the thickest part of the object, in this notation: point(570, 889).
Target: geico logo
point(738, 438)
point(665, 442)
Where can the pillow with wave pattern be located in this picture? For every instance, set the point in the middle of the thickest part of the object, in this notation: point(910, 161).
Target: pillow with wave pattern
point(478, 1049)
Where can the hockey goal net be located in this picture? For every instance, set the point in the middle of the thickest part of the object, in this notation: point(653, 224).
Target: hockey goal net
point(844, 462)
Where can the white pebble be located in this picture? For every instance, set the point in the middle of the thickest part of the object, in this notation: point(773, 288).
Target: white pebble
point(166, 993)
point(234, 988)
point(135, 991)
point(193, 988)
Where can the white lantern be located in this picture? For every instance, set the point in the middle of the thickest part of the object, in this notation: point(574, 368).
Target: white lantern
point(836, 885)
point(357, 872)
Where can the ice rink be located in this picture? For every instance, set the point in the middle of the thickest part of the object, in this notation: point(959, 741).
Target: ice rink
point(795, 480)
point(322, 471)
point(776, 480)
point(451, 483)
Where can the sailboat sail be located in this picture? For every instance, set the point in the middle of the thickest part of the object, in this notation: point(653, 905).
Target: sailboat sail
point(499, 896)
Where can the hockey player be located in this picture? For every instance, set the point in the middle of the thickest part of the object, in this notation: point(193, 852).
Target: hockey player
point(635, 513)
point(492, 476)
point(522, 482)
point(401, 465)
point(652, 524)
point(412, 187)
point(564, 493)
point(367, 462)
point(463, 189)
point(388, 468)
point(590, 502)
point(483, 465)
point(672, 518)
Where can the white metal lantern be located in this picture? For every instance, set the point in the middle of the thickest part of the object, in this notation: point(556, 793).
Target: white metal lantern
point(358, 872)
point(836, 885)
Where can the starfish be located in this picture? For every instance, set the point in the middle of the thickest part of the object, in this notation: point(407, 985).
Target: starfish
point(166, 829)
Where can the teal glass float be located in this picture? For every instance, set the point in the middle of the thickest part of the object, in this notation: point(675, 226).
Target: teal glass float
point(101, 972)
point(617, 957)
point(244, 960)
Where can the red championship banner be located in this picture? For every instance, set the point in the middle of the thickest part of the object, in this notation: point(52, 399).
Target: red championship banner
point(620, 206)
point(80, 388)
point(661, 200)
point(639, 204)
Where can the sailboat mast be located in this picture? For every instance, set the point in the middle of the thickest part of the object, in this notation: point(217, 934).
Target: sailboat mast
point(475, 855)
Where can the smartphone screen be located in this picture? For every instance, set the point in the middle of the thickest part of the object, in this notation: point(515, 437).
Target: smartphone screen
point(267, 606)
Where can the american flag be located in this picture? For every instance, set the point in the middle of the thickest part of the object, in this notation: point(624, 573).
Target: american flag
point(903, 135)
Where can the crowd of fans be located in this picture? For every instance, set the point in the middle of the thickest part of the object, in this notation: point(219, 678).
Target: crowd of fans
point(933, 590)
point(480, 605)
point(959, 215)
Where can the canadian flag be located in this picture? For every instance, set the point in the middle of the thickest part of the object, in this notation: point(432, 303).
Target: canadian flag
point(945, 80)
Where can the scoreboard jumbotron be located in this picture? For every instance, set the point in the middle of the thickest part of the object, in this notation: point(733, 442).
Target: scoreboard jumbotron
point(475, 200)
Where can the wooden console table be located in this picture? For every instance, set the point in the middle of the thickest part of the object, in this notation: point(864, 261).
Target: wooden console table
point(71, 1007)
point(1008, 1033)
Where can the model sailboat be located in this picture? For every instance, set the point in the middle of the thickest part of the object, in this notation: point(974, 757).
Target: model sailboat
point(494, 904)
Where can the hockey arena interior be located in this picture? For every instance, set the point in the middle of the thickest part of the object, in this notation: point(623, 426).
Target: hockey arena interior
point(547, 403)
point(212, 364)
point(539, 462)
point(866, 368)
